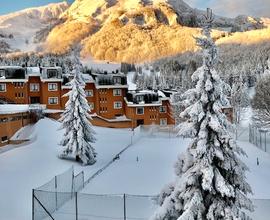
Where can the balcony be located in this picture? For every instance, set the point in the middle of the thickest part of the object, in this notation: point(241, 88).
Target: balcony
point(113, 80)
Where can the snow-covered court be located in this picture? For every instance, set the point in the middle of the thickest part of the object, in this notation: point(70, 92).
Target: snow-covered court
point(142, 170)
point(30, 166)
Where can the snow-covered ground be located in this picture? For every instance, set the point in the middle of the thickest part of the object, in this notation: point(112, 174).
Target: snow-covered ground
point(30, 166)
point(155, 169)
point(131, 84)
point(101, 65)
point(143, 169)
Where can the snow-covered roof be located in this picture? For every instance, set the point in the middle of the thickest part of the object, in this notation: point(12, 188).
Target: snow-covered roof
point(161, 94)
point(116, 119)
point(11, 67)
point(143, 92)
point(87, 78)
point(53, 111)
point(33, 71)
point(13, 109)
point(142, 104)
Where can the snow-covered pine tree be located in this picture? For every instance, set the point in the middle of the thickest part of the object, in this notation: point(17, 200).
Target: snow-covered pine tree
point(261, 103)
point(210, 178)
point(79, 134)
point(239, 97)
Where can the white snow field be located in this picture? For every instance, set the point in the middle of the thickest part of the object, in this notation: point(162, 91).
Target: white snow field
point(30, 166)
point(141, 170)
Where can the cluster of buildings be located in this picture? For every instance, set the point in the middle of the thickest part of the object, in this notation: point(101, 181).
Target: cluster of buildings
point(112, 104)
point(26, 91)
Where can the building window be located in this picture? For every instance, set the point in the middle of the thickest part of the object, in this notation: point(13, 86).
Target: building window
point(19, 95)
point(53, 100)
point(52, 86)
point(2, 73)
point(3, 120)
point(103, 109)
point(103, 91)
point(18, 84)
point(91, 105)
point(117, 92)
point(163, 121)
point(163, 109)
point(89, 93)
point(51, 73)
point(3, 87)
point(153, 117)
point(117, 105)
point(34, 87)
point(140, 110)
point(140, 98)
point(117, 80)
point(4, 139)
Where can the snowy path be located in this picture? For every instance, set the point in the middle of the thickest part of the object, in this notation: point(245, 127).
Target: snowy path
point(156, 157)
point(28, 167)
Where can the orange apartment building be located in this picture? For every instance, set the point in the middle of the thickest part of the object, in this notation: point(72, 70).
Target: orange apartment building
point(12, 118)
point(112, 105)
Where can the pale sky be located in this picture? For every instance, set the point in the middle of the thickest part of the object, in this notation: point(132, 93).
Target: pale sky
point(229, 8)
point(7, 6)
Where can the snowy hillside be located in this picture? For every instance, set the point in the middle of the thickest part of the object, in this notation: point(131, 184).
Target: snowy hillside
point(136, 30)
point(130, 31)
point(18, 29)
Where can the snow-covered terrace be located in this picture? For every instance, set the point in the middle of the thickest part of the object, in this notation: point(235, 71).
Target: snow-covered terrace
point(21, 108)
point(13, 109)
point(145, 98)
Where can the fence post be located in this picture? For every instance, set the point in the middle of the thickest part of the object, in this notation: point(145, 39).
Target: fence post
point(55, 186)
point(33, 205)
point(249, 133)
point(260, 139)
point(76, 205)
point(265, 141)
point(83, 180)
point(125, 211)
point(72, 183)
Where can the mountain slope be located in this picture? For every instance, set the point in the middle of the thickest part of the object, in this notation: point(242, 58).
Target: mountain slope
point(18, 29)
point(135, 30)
point(120, 30)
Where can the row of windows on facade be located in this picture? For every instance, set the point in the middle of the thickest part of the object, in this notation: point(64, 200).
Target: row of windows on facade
point(19, 95)
point(14, 118)
point(139, 110)
point(18, 84)
point(162, 109)
point(34, 87)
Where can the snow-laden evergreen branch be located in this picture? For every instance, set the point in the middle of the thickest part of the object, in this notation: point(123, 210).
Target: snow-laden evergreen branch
point(79, 134)
point(210, 177)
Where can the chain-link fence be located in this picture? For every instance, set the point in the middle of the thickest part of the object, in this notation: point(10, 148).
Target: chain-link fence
point(260, 138)
point(51, 196)
point(59, 199)
point(126, 207)
point(101, 207)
